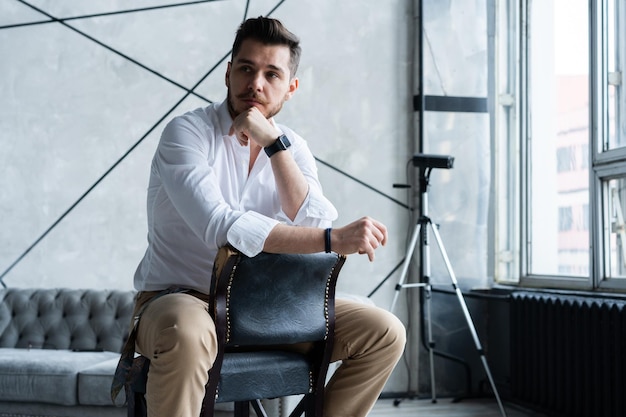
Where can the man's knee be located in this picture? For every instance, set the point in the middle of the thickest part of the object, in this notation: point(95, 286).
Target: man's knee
point(396, 334)
point(390, 331)
point(368, 327)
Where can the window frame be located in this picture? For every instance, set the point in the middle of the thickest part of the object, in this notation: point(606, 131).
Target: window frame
point(512, 114)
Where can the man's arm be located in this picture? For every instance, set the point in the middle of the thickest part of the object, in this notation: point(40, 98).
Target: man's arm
point(252, 128)
point(291, 185)
point(362, 236)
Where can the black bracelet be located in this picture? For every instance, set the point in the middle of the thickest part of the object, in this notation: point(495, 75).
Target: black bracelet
point(327, 240)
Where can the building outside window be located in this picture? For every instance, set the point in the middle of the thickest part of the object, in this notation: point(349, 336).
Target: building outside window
point(560, 141)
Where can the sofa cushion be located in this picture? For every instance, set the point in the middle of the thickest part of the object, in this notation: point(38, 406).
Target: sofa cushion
point(94, 384)
point(45, 375)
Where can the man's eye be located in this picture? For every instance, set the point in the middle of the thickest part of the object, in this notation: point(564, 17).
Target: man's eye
point(272, 75)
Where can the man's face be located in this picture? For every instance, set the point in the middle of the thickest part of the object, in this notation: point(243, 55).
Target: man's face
point(259, 76)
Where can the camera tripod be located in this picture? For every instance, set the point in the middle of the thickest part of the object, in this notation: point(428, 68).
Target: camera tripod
point(426, 164)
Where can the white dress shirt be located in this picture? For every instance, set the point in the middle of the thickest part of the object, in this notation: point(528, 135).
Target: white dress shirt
point(201, 196)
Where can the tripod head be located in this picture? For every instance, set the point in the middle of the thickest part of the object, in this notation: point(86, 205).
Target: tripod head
point(426, 163)
point(433, 161)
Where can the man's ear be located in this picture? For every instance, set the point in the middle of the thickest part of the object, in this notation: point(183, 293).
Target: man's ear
point(227, 76)
point(293, 86)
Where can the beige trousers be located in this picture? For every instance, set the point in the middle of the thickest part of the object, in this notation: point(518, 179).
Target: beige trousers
point(178, 336)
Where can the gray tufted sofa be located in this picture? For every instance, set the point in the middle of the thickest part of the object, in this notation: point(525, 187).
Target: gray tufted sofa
point(59, 349)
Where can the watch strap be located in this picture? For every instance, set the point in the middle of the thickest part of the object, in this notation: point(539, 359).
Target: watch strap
point(281, 144)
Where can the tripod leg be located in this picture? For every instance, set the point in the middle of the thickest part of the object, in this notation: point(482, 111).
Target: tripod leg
point(468, 317)
point(431, 342)
point(417, 232)
point(405, 266)
point(428, 304)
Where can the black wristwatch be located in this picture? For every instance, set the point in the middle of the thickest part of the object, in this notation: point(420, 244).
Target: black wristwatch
point(281, 144)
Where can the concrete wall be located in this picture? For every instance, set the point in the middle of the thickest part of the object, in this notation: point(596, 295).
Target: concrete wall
point(83, 102)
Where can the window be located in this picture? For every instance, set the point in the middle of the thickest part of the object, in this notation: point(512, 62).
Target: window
point(560, 140)
point(565, 219)
point(616, 255)
point(565, 158)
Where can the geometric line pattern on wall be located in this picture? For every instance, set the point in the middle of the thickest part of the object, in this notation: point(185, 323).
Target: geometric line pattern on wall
point(187, 92)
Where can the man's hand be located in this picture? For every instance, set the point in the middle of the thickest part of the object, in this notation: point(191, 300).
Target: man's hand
point(252, 125)
point(362, 236)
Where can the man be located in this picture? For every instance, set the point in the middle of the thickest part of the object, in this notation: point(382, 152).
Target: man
point(228, 174)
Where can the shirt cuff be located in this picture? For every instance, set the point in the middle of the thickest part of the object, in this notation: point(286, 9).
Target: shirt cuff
point(249, 232)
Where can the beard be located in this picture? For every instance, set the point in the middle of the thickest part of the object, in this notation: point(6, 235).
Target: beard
point(267, 112)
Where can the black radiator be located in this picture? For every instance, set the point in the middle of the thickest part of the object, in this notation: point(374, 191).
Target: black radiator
point(568, 354)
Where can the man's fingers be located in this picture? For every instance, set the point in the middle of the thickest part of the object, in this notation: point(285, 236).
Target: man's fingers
point(363, 236)
point(243, 139)
point(380, 231)
point(379, 235)
point(370, 254)
point(251, 125)
point(241, 136)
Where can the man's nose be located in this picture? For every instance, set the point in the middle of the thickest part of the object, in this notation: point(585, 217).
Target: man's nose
point(256, 82)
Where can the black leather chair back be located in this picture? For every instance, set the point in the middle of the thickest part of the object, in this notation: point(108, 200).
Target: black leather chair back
point(261, 306)
point(277, 299)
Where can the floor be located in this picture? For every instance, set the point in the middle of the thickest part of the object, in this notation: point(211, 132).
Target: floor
point(446, 408)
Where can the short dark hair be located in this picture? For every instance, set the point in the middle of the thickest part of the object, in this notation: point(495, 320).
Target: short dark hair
point(270, 32)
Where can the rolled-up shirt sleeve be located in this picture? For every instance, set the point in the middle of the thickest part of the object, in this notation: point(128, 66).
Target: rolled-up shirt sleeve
point(249, 232)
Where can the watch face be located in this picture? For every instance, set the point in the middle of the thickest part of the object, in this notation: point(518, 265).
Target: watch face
point(283, 142)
